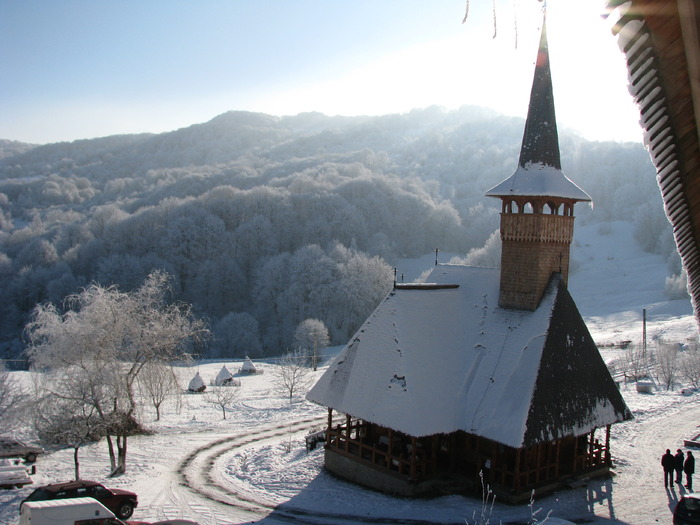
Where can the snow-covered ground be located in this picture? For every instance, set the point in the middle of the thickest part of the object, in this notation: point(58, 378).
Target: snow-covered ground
point(612, 280)
point(253, 465)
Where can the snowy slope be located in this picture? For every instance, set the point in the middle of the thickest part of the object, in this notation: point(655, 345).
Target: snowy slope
point(612, 280)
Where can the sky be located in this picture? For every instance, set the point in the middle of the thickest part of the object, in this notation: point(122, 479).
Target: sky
point(80, 69)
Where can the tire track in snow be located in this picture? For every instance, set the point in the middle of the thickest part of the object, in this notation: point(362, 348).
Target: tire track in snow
point(198, 473)
point(197, 470)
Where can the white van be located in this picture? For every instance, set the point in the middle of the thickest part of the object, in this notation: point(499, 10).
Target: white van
point(75, 511)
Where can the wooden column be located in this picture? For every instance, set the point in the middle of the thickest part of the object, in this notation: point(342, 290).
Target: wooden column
point(347, 432)
point(608, 458)
point(413, 457)
point(330, 425)
point(390, 448)
point(518, 458)
point(435, 443)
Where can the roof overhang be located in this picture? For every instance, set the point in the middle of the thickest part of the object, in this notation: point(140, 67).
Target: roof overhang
point(661, 42)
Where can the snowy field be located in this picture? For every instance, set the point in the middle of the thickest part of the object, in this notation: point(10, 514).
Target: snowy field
point(253, 466)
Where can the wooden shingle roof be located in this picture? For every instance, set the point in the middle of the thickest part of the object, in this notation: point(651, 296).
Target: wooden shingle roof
point(661, 42)
point(438, 360)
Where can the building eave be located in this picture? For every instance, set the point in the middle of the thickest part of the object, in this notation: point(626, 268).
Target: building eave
point(661, 42)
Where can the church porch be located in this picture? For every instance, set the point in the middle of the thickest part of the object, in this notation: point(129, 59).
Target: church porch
point(393, 462)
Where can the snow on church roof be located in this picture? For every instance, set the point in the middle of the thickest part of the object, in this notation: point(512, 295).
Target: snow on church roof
point(440, 360)
point(537, 179)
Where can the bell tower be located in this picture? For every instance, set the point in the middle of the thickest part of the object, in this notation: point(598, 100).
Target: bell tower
point(537, 214)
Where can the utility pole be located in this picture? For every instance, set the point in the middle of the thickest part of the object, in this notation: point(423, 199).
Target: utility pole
point(644, 335)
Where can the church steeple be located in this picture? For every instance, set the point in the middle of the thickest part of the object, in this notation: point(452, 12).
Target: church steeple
point(537, 216)
point(540, 139)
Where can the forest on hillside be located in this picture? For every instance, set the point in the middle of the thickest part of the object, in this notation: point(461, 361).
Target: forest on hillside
point(263, 222)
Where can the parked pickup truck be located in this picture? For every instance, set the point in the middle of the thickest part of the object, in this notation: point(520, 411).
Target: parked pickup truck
point(78, 511)
point(68, 512)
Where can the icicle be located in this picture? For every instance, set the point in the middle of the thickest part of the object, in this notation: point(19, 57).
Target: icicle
point(494, 19)
point(515, 21)
point(466, 13)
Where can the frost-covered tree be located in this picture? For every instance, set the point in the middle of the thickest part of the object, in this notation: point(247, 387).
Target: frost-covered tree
point(311, 336)
point(488, 256)
point(363, 281)
point(12, 399)
point(65, 411)
point(219, 286)
point(229, 206)
point(676, 286)
point(109, 336)
point(237, 334)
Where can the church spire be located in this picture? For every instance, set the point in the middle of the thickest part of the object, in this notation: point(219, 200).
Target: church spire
point(539, 168)
point(540, 139)
point(537, 214)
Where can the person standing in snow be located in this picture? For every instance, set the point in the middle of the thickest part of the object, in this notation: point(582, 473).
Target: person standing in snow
point(679, 465)
point(689, 469)
point(668, 462)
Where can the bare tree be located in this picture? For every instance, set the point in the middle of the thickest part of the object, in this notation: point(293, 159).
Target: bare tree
point(666, 365)
point(635, 363)
point(111, 336)
point(64, 416)
point(689, 366)
point(292, 374)
point(157, 381)
point(224, 396)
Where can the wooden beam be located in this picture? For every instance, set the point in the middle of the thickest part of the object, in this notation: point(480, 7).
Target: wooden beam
point(690, 29)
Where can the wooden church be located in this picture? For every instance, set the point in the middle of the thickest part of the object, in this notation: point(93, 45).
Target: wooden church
point(480, 372)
